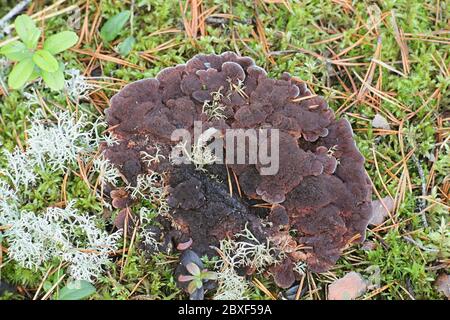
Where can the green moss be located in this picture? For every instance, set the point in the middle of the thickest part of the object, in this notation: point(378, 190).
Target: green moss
point(402, 264)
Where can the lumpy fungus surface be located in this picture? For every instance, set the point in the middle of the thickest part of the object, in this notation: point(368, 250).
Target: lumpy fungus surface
point(318, 201)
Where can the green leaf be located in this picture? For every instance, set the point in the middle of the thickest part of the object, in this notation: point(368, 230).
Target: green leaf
point(27, 31)
point(198, 283)
point(126, 46)
point(45, 60)
point(76, 290)
point(114, 25)
point(209, 275)
point(60, 42)
point(193, 269)
point(47, 286)
point(192, 286)
point(54, 80)
point(15, 51)
point(35, 74)
point(20, 73)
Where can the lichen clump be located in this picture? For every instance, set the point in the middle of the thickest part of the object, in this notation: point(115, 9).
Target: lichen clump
point(317, 202)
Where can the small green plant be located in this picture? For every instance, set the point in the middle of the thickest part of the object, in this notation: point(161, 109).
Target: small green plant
point(76, 290)
point(196, 278)
point(34, 61)
point(114, 26)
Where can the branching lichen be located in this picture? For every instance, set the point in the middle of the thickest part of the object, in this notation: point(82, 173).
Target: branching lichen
point(19, 168)
point(107, 172)
point(58, 144)
point(300, 267)
point(231, 285)
point(77, 86)
point(214, 108)
point(149, 159)
point(64, 234)
point(248, 252)
point(200, 155)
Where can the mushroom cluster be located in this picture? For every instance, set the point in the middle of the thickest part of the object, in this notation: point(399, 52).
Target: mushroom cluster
point(318, 201)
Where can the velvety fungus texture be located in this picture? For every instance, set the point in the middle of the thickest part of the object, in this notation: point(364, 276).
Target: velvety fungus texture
point(319, 200)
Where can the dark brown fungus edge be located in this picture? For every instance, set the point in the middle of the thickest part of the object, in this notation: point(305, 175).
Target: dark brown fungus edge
point(320, 196)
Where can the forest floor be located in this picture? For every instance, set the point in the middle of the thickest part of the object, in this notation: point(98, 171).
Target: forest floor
point(383, 65)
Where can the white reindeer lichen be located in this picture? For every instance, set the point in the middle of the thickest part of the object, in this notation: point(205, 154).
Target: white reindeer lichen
point(214, 108)
point(151, 187)
point(149, 159)
point(239, 87)
point(76, 85)
point(56, 234)
point(8, 204)
point(200, 155)
point(110, 139)
point(149, 240)
point(249, 252)
point(31, 98)
point(148, 237)
point(19, 168)
point(300, 267)
point(64, 234)
point(6, 193)
point(231, 285)
point(145, 184)
point(58, 144)
point(107, 172)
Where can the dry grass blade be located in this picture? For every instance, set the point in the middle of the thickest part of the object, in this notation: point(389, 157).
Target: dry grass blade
point(137, 285)
point(36, 295)
point(378, 291)
point(345, 4)
point(390, 68)
point(130, 247)
point(263, 39)
point(401, 41)
point(194, 17)
point(363, 38)
point(263, 288)
point(433, 96)
point(47, 295)
point(105, 57)
point(149, 55)
point(380, 176)
point(237, 184)
point(230, 184)
point(391, 215)
point(441, 37)
point(382, 94)
point(366, 82)
point(300, 288)
point(304, 98)
point(338, 62)
point(85, 26)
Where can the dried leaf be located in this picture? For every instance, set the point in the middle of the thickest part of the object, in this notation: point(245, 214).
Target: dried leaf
point(380, 122)
point(350, 287)
point(193, 269)
point(379, 212)
point(442, 284)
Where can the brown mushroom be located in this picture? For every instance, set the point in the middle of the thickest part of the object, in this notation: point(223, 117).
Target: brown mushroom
point(321, 187)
